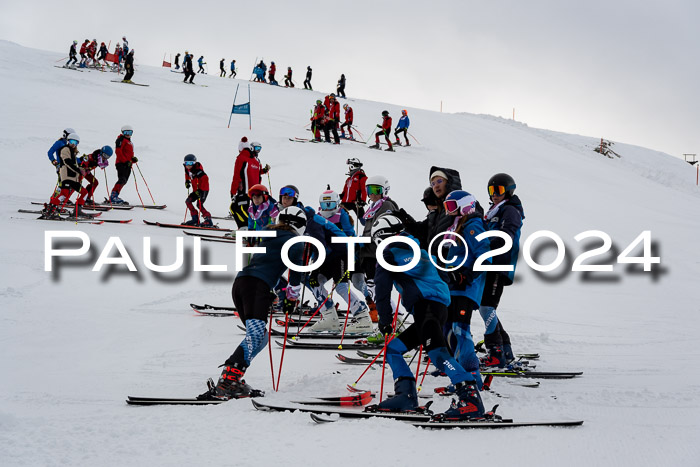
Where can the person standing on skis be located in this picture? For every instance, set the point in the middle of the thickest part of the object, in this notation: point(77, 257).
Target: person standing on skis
point(385, 128)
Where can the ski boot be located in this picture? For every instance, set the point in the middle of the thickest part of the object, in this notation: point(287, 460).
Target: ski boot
point(207, 222)
point(193, 222)
point(361, 325)
point(468, 407)
point(407, 144)
point(508, 355)
point(390, 149)
point(115, 199)
point(374, 316)
point(405, 398)
point(329, 322)
point(50, 211)
point(374, 146)
point(397, 143)
point(231, 384)
point(494, 359)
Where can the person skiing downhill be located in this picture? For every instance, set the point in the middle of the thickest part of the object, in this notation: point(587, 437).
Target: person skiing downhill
point(252, 296)
point(125, 160)
point(506, 215)
point(385, 128)
point(425, 295)
point(247, 172)
point(198, 180)
point(402, 127)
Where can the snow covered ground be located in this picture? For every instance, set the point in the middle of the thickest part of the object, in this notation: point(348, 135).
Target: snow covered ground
point(75, 343)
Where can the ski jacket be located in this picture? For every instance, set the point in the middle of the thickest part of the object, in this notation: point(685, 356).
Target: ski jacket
point(273, 69)
point(261, 216)
point(83, 48)
point(269, 267)
point(89, 161)
point(308, 74)
point(200, 61)
point(472, 285)
point(319, 113)
point(317, 226)
point(387, 205)
point(92, 48)
point(196, 176)
point(404, 122)
point(422, 282)
point(129, 61)
point(69, 163)
point(334, 111)
point(289, 73)
point(348, 115)
point(187, 63)
point(53, 150)
point(386, 124)
point(221, 65)
point(246, 172)
point(354, 189)
point(233, 65)
point(72, 52)
point(508, 218)
point(177, 59)
point(103, 51)
point(125, 149)
point(341, 219)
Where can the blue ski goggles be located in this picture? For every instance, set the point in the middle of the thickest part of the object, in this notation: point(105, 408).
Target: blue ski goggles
point(73, 142)
point(189, 163)
point(286, 191)
point(128, 132)
point(328, 205)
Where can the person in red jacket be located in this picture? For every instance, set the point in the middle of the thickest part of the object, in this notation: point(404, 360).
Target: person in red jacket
point(318, 121)
point(88, 163)
point(354, 196)
point(91, 50)
point(199, 182)
point(288, 83)
point(271, 76)
point(347, 123)
point(385, 129)
point(83, 51)
point(125, 159)
point(246, 172)
point(333, 119)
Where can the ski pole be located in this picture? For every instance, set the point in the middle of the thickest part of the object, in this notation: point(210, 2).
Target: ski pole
point(269, 183)
point(184, 218)
point(369, 135)
point(358, 131)
point(284, 346)
point(425, 372)
point(137, 187)
point(307, 249)
point(269, 348)
point(144, 181)
point(420, 354)
point(409, 134)
point(386, 344)
point(347, 315)
point(109, 198)
point(317, 310)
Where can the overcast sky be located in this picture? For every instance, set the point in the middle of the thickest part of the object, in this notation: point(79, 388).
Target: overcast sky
point(624, 70)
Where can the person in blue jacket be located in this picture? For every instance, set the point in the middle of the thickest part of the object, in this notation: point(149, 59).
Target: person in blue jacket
point(402, 127)
point(233, 69)
point(426, 296)
point(505, 214)
point(466, 285)
point(53, 155)
point(201, 63)
point(253, 298)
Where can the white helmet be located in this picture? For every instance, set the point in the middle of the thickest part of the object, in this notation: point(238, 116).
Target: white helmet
point(378, 180)
point(255, 147)
point(329, 202)
point(386, 226)
point(73, 137)
point(67, 132)
point(293, 217)
point(128, 128)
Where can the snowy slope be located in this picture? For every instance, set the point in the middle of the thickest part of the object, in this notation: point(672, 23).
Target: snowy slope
point(75, 343)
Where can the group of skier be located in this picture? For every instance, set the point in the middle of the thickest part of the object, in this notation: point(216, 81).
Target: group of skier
point(91, 55)
point(72, 169)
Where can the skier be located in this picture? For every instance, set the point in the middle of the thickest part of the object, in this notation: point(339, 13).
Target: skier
point(262, 210)
point(354, 196)
point(253, 299)
point(340, 89)
point(347, 123)
point(72, 54)
point(91, 49)
point(505, 214)
point(87, 163)
point(69, 176)
point(385, 128)
point(271, 75)
point(125, 47)
point(233, 69)
point(188, 68)
point(54, 158)
point(125, 159)
point(425, 295)
point(119, 53)
point(129, 67)
point(466, 285)
point(288, 78)
point(333, 119)
point(222, 73)
point(307, 81)
point(177, 61)
point(201, 63)
point(318, 121)
point(247, 172)
point(196, 178)
point(83, 51)
point(102, 55)
point(402, 127)
point(377, 188)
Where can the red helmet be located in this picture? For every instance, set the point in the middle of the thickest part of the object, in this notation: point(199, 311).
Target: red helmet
point(257, 189)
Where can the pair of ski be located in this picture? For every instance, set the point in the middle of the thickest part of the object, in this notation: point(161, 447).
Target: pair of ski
point(354, 400)
point(180, 226)
point(126, 205)
point(211, 238)
point(68, 68)
point(92, 207)
point(124, 82)
point(92, 218)
point(211, 310)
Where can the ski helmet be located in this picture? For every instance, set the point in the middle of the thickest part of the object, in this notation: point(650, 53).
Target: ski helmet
point(107, 151)
point(385, 113)
point(332, 96)
point(345, 106)
point(318, 101)
point(73, 139)
point(501, 184)
point(190, 159)
point(354, 165)
point(377, 185)
point(259, 190)
point(429, 197)
point(75, 42)
point(330, 203)
point(67, 132)
point(255, 146)
point(293, 217)
point(459, 203)
point(404, 112)
point(386, 226)
point(290, 190)
point(308, 68)
point(127, 130)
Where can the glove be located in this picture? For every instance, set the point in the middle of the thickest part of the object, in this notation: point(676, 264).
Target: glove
point(187, 184)
point(458, 280)
point(197, 194)
point(313, 282)
point(405, 217)
point(385, 329)
point(55, 163)
point(379, 126)
point(265, 169)
point(288, 306)
point(134, 159)
point(361, 203)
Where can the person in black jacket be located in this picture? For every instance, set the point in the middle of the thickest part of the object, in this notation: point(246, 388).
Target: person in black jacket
point(307, 81)
point(341, 86)
point(177, 61)
point(72, 54)
point(188, 67)
point(129, 67)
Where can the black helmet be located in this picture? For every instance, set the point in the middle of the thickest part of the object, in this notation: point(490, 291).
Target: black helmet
point(385, 113)
point(190, 158)
point(290, 190)
point(429, 197)
point(501, 184)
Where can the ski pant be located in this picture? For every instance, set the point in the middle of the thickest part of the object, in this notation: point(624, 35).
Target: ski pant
point(67, 189)
point(307, 84)
point(199, 197)
point(90, 189)
point(129, 72)
point(349, 126)
point(317, 126)
point(385, 134)
point(405, 134)
point(239, 209)
point(493, 289)
point(426, 330)
point(233, 74)
point(253, 299)
point(222, 74)
point(331, 127)
point(457, 331)
point(123, 173)
point(188, 74)
point(201, 70)
point(288, 83)
point(341, 91)
point(73, 59)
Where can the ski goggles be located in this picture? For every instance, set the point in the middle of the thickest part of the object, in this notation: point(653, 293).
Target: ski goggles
point(73, 142)
point(374, 189)
point(128, 132)
point(257, 148)
point(497, 190)
point(328, 205)
point(256, 193)
point(189, 163)
point(451, 205)
point(286, 191)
